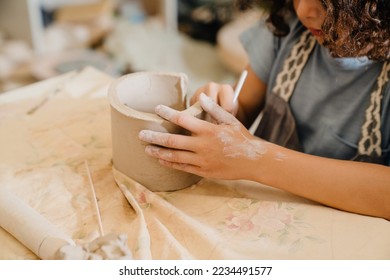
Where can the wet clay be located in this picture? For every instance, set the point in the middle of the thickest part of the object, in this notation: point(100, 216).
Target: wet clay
point(133, 99)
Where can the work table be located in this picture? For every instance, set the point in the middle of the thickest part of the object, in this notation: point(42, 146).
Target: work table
point(53, 130)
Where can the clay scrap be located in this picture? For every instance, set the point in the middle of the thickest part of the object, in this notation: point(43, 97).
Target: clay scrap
point(49, 242)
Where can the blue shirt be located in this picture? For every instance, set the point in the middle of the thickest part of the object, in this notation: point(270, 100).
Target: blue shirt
point(330, 97)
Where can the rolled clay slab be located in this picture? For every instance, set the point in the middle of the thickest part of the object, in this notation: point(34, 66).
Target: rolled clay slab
point(133, 99)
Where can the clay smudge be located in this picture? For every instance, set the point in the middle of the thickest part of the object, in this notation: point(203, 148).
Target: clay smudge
point(219, 114)
point(165, 112)
point(251, 149)
point(280, 156)
point(225, 137)
point(158, 152)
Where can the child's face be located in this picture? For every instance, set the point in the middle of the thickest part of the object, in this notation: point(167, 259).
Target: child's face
point(312, 14)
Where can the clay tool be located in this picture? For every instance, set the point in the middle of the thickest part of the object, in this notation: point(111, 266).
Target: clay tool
point(239, 85)
point(94, 199)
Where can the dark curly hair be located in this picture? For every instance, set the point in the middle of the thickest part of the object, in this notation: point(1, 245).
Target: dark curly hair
point(351, 27)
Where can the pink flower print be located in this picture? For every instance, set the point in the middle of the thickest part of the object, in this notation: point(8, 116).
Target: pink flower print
point(143, 200)
point(269, 217)
point(239, 221)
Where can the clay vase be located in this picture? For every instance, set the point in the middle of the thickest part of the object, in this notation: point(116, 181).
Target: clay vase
point(133, 98)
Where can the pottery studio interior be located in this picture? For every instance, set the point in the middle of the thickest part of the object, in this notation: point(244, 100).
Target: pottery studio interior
point(119, 37)
point(73, 173)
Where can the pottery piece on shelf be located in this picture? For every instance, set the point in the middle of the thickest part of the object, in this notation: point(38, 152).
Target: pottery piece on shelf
point(133, 98)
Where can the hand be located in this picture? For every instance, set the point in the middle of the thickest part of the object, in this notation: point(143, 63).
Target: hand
point(221, 94)
point(224, 149)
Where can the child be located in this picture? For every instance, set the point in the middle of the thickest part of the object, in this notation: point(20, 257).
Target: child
point(319, 74)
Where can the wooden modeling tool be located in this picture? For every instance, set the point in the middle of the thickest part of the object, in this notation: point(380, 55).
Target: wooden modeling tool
point(239, 85)
point(94, 199)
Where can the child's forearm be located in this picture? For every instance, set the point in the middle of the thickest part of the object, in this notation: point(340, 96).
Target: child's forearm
point(351, 186)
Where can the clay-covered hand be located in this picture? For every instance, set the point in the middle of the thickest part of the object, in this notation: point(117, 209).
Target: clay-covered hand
point(224, 149)
point(222, 94)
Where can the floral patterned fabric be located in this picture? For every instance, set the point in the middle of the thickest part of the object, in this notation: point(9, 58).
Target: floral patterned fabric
point(43, 158)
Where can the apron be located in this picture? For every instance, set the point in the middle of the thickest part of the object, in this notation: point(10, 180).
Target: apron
point(278, 125)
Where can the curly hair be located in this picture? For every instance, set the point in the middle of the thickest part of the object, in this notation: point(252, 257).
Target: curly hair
point(351, 27)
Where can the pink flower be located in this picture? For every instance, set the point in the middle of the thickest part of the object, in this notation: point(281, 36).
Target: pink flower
point(270, 217)
point(239, 221)
point(142, 198)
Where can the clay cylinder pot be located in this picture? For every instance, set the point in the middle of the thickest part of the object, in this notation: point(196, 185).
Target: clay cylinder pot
point(133, 99)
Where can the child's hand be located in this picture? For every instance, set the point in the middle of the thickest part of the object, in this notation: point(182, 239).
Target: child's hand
point(221, 94)
point(223, 150)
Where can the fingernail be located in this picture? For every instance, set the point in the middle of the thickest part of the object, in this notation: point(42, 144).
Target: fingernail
point(206, 102)
point(145, 135)
point(164, 111)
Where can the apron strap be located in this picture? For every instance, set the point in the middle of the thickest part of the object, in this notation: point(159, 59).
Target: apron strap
point(293, 66)
point(370, 142)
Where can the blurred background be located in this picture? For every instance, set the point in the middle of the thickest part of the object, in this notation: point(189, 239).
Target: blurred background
point(40, 39)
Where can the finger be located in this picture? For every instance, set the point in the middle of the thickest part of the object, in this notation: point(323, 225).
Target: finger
point(168, 140)
point(215, 111)
point(171, 155)
point(225, 100)
point(182, 167)
point(182, 119)
point(211, 89)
